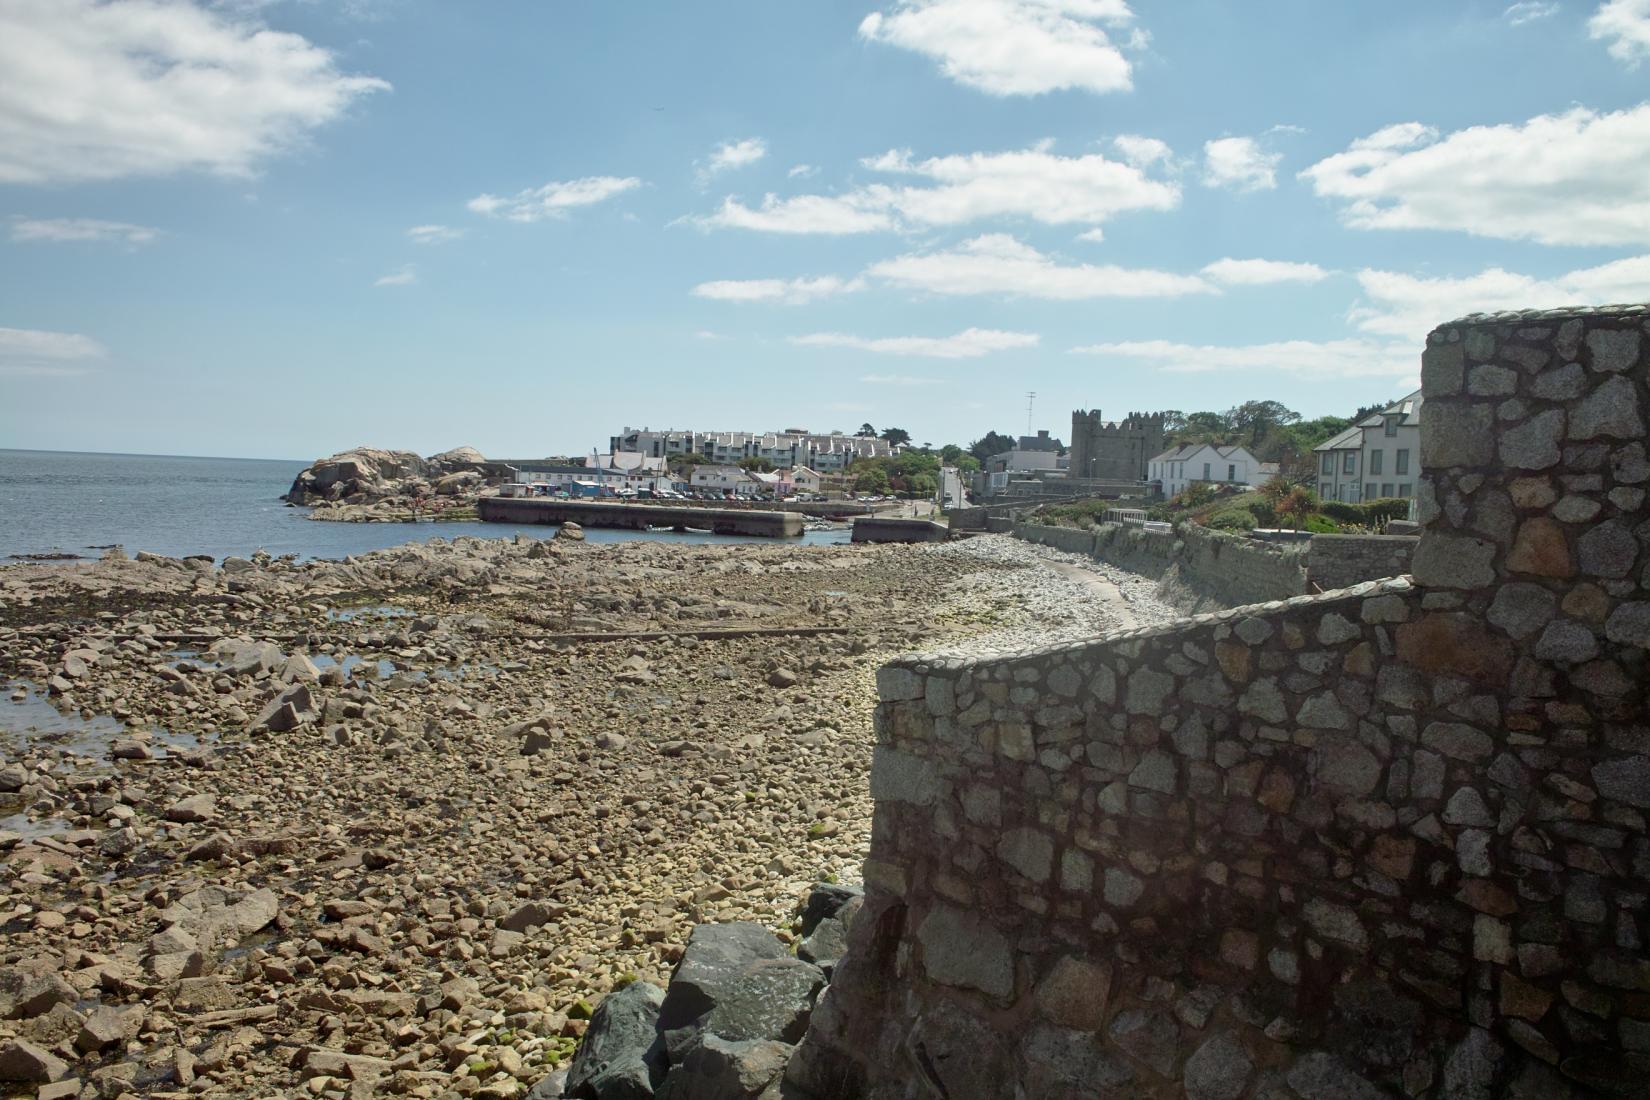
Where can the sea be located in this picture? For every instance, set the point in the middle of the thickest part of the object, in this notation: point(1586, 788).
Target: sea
point(67, 502)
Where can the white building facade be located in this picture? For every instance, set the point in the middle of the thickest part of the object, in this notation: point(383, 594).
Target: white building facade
point(1377, 458)
point(726, 479)
point(1176, 469)
point(827, 452)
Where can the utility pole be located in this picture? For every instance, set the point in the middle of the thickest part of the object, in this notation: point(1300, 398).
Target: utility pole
point(1031, 399)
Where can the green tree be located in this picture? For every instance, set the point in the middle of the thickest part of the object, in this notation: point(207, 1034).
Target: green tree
point(866, 431)
point(871, 479)
point(1253, 421)
point(991, 443)
point(896, 437)
point(756, 464)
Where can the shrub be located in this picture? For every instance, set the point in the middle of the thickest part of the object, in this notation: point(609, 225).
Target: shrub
point(1265, 514)
point(1320, 525)
point(1195, 495)
point(1378, 512)
point(1240, 520)
point(1342, 512)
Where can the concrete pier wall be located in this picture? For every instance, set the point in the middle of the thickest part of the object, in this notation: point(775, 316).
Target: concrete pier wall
point(636, 517)
point(888, 529)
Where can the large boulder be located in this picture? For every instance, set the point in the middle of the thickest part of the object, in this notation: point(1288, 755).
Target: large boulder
point(457, 459)
point(620, 1056)
point(361, 472)
point(736, 981)
point(720, 1069)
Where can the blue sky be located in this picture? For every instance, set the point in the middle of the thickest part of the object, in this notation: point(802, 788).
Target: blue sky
point(278, 228)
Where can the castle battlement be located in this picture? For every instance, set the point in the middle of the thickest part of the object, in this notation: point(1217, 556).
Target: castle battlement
point(1117, 450)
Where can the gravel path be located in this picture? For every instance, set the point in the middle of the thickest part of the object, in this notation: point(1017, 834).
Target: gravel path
point(1041, 595)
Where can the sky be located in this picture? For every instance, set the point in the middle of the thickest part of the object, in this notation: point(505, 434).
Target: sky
point(281, 228)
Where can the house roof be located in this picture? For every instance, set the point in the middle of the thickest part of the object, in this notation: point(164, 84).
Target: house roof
point(1350, 440)
point(1407, 407)
point(1187, 450)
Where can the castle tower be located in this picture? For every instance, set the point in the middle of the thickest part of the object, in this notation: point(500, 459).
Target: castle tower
point(1114, 452)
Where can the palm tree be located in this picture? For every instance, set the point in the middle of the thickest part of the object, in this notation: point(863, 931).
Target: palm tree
point(1297, 504)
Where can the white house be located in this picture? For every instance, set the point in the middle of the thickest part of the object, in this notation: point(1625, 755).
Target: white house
point(726, 479)
point(1378, 457)
point(806, 480)
point(1175, 469)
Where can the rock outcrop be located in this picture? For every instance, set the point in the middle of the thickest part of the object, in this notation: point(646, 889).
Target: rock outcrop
point(367, 475)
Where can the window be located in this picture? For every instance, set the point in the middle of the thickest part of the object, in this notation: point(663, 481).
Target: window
point(1350, 464)
point(1403, 489)
point(1400, 464)
point(1205, 471)
point(1231, 472)
point(1325, 489)
point(1328, 462)
point(1369, 490)
point(1374, 462)
point(1391, 427)
point(1386, 489)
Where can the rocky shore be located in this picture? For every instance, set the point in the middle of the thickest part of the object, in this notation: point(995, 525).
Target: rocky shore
point(372, 485)
point(396, 825)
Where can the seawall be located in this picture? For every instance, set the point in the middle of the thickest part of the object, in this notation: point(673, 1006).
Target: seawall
point(1197, 570)
point(1384, 841)
point(721, 521)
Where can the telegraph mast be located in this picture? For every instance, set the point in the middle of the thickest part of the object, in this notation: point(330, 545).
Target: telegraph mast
point(1031, 399)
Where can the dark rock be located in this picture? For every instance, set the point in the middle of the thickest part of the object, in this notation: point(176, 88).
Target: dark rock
point(21, 1060)
point(721, 1069)
point(829, 939)
point(620, 1056)
point(736, 981)
point(824, 899)
point(292, 708)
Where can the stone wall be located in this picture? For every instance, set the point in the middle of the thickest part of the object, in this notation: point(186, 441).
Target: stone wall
point(1340, 561)
point(1387, 841)
point(1199, 570)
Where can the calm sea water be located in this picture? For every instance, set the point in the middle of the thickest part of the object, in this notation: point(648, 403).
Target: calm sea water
point(70, 502)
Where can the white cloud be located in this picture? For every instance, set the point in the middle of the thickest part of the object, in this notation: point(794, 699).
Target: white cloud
point(1093, 236)
point(1032, 183)
point(997, 263)
point(801, 170)
point(969, 344)
point(1263, 272)
point(80, 229)
point(791, 292)
point(1311, 358)
point(1239, 163)
point(1576, 178)
point(733, 154)
point(35, 353)
point(554, 200)
point(898, 380)
point(1529, 11)
point(1626, 23)
point(707, 334)
point(405, 275)
point(1014, 47)
point(1410, 306)
point(98, 91)
point(434, 234)
point(824, 214)
point(1142, 152)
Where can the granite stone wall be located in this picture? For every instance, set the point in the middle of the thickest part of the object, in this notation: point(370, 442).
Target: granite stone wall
point(1340, 561)
point(1386, 841)
point(1198, 570)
